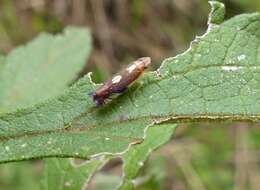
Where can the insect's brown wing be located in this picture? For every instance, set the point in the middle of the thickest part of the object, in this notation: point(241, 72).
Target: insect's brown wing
point(126, 79)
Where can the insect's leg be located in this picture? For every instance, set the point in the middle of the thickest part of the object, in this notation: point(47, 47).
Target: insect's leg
point(100, 102)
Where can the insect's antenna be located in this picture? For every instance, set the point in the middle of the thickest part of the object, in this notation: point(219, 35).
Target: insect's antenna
point(91, 93)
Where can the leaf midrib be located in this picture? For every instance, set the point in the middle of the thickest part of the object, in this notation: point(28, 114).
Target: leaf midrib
point(153, 119)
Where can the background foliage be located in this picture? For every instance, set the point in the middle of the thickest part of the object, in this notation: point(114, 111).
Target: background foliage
point(124, 30)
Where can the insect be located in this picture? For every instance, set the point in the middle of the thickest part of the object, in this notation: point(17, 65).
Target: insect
point(120, 81)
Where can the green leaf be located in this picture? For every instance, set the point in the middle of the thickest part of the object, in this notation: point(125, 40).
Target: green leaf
point(63, 174)
point(2, 60)
point(53, 58)
point(135, 157)
point(55, 129)
point(216, 79)
point(217, 13)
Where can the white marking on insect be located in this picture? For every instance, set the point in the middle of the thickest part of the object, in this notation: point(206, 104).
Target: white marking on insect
point(131, 68)
point(116, 79)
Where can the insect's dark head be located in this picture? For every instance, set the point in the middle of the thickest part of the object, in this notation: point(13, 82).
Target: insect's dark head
point(93, 95)
point(97, 99)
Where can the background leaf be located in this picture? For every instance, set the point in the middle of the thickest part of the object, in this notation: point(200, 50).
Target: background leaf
point(12, 175)
point(135, 157)
point(62, 174)
point(48, 57)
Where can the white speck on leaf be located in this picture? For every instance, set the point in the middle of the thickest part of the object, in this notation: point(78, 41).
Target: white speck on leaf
point(140, 163)
point(107, 139)
point(7, 148)
point(231, 61)
point(24, 145)
point(198, 55)
point(241, 57)
point(67, 183)
point(230, 68)
point(116, 79)
point(174, 77)
point(58, 150)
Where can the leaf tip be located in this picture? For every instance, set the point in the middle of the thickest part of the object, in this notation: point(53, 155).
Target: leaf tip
point(217, 13)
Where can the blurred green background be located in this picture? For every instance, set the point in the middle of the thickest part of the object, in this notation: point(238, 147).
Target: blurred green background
point(202, 156)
